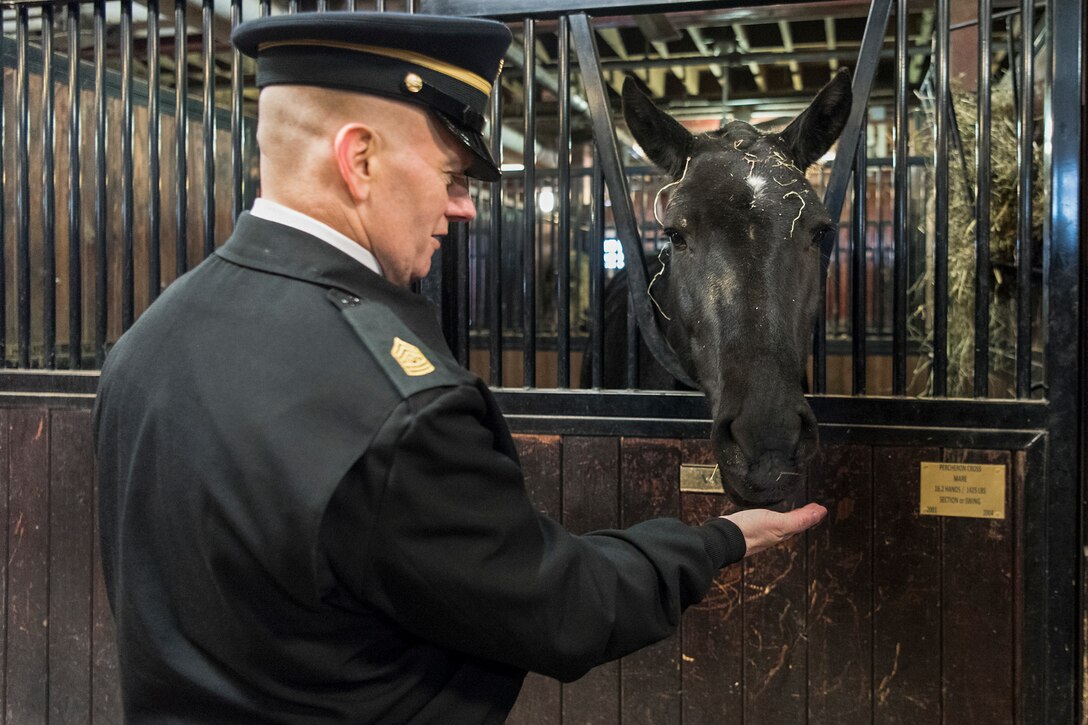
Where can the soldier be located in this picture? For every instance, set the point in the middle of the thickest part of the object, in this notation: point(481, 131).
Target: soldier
point(310, 513)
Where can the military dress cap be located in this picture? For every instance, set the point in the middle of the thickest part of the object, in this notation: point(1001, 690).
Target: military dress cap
point(448, 65)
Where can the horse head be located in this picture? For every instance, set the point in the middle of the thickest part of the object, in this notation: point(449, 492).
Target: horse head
point(739, 288)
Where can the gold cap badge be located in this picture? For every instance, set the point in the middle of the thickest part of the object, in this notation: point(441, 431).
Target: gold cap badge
point(413, 83)
point(410, 358)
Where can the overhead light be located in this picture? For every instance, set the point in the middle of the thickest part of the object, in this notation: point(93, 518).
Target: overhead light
point(546, 200)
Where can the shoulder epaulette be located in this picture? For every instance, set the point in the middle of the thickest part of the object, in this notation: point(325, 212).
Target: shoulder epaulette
point(407, 361)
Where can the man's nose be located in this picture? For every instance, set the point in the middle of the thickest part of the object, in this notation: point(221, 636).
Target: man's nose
point(461, 208)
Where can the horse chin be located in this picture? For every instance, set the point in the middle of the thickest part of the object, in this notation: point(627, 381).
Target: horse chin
point(765, 486)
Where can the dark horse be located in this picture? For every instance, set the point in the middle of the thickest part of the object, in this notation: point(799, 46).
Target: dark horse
point(736, 289)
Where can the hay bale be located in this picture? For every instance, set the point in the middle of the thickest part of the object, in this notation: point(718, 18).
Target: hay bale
point(961, 246)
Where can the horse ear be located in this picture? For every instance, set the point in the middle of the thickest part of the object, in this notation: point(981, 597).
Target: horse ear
point(665, 141)
point(811, 134)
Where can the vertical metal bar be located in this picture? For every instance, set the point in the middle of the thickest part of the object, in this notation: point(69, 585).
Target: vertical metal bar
point(819, 335)
point(1025, 165)
point(1010, 49)
point(154, 173)
point(181, 139)
point(1058, 619)
point(322, 6)
point(209, 126)
point(380, 6)
point(49, 207)
point(982, 205)
point(563, 293)
point(858, 311)
point(75, 204)
point(266, 7)
point(632, 344)
point(127, 197)
point(528, 278)
point(292, 6)
point(236, 131)
point(100, 199)
point(460, 236)
point(596, 272)
point(494, 249)
point(940, 255)
point(900, 168)
point(879, 265)
point(22, 177)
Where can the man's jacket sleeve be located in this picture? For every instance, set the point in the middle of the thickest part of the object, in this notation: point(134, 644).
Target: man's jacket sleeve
point(433, 528)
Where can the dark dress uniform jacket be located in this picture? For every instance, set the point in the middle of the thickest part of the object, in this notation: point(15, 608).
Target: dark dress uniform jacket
point(302, 523)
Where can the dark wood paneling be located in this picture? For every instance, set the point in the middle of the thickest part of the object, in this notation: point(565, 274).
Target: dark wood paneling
point(711, 664)
point(71, 547)
point(105, 676)
point(591, 502)
point(906, 593)
point(650, 487)
point(840, 587)
point(775, 650)
point(28, 567)
point(5, 487)
point(541, 460)
point(978, 644)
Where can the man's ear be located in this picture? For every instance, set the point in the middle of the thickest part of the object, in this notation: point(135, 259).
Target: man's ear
point(354, 146)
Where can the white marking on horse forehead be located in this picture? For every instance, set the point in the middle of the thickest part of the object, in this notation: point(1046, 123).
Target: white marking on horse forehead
point(756, 182)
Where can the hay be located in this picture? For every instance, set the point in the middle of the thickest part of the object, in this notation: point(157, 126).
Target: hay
point(961, 247)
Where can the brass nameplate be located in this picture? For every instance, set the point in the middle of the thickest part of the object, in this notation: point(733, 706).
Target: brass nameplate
point(700, 478)
point(975, 490)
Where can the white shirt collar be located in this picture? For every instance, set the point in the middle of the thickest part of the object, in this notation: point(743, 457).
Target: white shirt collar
point(275, 212)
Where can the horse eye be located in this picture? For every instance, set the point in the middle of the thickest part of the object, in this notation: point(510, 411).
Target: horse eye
point(677, 239)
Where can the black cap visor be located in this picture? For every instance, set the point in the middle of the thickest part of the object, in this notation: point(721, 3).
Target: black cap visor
point(483, 164)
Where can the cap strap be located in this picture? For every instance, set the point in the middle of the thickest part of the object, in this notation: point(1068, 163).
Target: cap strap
point(425, 61)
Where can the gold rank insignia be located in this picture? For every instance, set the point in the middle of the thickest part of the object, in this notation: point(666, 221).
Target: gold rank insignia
point(410, 358)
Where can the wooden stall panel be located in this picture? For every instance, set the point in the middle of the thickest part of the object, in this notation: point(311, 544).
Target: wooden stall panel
point(650, 487)
point(906, 593)
point(775, 635)
point(712, 662)
point(5, 467)
point(591, 502)
point(979, 645)
point(71, 548)
point(541, 462)
point(840, 587)
point(27, 682)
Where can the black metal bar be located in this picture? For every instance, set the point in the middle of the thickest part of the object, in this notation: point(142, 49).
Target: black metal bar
point(322, 6)
point(266, 7)
point(739, 59)
point(596, 272)
point(940, 255)
point(379, 6)
point(128, 278)
point(585, 47)
point(879, 308)
point(494, 249)
point(528, 271)
point(292, 6)
point(632, 343)
point(75, 204)
point(49, 206)
point(900, 206)
point(858, 237)
point(819, 335)
point(236, 98)
point(982, 206)
point(154, 172)
point(22, 188)
point(1010, 50)
point(100, 201)
point(563, 264)
point(865, 70)
point(1063, 310)
point(1025, 187)
point(181, 141)
point(208, 12)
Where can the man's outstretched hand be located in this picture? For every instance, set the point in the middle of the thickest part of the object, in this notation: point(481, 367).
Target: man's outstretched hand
point(763, 529)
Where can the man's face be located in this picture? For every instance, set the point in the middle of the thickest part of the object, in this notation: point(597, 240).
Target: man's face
point(419, 188)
